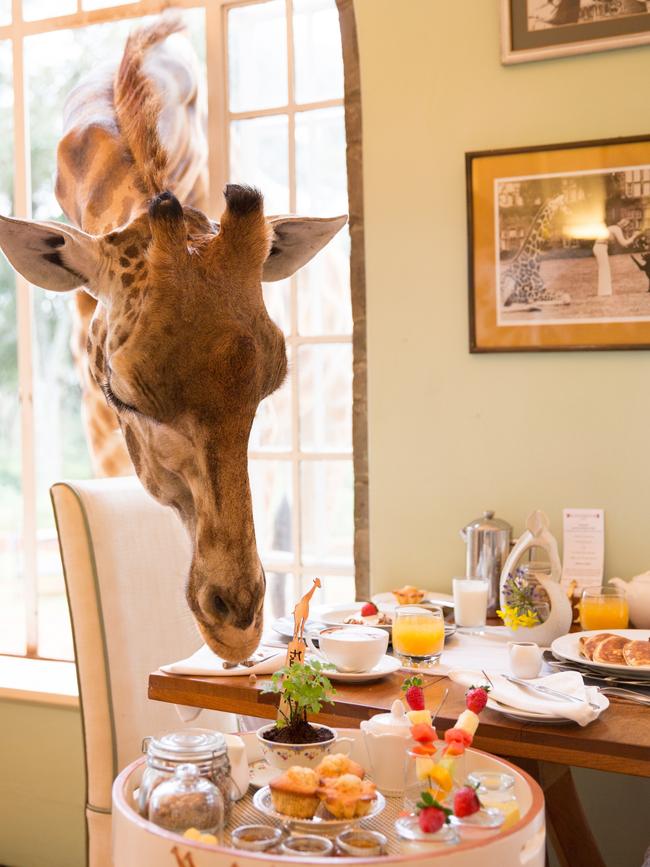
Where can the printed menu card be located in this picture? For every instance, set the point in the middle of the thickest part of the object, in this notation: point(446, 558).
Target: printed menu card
point(584, 547)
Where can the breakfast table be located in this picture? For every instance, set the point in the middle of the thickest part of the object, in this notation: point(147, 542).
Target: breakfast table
point(618, 741)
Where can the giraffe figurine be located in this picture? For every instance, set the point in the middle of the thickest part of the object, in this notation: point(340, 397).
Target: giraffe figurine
point(522, 283)
point(301, 611)
point(179, 342)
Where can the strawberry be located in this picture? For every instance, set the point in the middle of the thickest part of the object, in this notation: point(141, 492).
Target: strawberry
point(476, 698)
point(412, 686)
point(431, 819)
point(466, 802)
point(431, 814)
point(369, 609)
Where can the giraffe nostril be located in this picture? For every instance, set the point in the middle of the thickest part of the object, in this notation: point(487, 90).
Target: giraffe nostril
point(220, 607)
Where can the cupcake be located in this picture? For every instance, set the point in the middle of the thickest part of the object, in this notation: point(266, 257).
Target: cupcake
point(336, 765)
point(294, 793)
point(347, 797)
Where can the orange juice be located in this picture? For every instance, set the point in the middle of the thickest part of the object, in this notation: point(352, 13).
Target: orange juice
point(418, 634)
point(603, 612)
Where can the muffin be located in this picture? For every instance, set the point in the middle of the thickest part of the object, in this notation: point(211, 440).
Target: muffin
point(336, 765)
point(294, 793)
point(347, 797)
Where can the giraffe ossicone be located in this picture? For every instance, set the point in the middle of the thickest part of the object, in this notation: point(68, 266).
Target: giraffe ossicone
point(178, 339)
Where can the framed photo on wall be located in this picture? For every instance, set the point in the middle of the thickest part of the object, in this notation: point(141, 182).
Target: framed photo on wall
point(559, 247)
point(537, 29)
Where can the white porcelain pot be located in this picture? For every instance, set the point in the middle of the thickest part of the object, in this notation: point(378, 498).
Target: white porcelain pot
point(637, 593)
point(283, 756)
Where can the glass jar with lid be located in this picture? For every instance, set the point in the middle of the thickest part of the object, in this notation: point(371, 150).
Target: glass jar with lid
point(497, 790)
point(186, 801)
point(203, 747)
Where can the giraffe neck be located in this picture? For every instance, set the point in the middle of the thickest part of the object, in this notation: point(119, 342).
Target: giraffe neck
point(531, 244)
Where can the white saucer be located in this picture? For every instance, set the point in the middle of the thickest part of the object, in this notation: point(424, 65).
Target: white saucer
point(260, 773)
point(386, 665)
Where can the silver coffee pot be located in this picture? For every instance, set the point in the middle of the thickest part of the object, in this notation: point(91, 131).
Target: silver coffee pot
point(488, 545)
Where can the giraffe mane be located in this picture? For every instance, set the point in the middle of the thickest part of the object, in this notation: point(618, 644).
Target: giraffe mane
point(137, 105)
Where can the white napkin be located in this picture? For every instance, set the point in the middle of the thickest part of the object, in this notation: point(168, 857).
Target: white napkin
point(569, 682)
point(205, 662)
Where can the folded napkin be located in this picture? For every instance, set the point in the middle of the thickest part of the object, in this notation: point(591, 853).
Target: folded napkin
point(205, 662)
point(522, 698)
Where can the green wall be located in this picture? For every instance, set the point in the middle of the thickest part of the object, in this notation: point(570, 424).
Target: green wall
point(451, 434)
point(42, 788)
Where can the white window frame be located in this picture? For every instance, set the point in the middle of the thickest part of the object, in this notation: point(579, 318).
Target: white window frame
point(219, 120)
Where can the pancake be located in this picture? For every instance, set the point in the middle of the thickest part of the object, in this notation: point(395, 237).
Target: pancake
point(588, 643)
point(637, 653)
point(611, 650)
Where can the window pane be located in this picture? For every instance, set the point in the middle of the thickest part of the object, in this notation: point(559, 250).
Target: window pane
point(272, 425)
point(327, 493)
point(321, 177)
point(36, 9)
point(324, 304)
point(102, 4)
point(259, 155)
point(257, 56)
point(325, 377)
point(12, 595)
point(272, 507)
point(282, 592)
point(318, 58)
point(277, 297)
point(5, 12)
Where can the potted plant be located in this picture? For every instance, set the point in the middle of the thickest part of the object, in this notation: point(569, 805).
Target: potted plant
point(304, 688)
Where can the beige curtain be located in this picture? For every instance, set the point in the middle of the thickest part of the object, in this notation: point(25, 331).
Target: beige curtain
point(353, 128)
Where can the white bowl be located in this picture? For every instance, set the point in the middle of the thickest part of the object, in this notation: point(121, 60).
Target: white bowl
point(283, 756)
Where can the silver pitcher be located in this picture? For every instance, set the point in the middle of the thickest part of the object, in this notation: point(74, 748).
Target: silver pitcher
point(488, 545)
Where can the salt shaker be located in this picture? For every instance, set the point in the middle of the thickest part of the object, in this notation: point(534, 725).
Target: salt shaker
point(187, 801)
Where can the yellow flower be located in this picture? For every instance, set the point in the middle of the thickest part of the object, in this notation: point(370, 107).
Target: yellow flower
point(514, 617)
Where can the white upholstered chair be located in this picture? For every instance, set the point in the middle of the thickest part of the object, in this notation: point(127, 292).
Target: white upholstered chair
point(125, 559)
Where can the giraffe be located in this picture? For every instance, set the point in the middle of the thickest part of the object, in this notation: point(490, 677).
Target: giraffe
point(301, 611)
point(180, 341)
point(522, 282)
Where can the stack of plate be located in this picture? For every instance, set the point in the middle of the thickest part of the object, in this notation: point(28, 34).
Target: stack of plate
point(567, 650)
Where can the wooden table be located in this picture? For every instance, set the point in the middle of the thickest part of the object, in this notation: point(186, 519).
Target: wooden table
point(619, 741)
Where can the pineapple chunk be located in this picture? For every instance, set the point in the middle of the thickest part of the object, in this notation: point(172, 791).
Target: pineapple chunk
point(424, 768)
point(419, 716)
point(467, 721)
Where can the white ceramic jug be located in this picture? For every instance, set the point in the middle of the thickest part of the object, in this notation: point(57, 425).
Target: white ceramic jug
point(387, 737)
point(637, 593)
point(525, 658)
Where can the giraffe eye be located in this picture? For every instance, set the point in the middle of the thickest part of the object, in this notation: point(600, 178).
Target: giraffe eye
point(113, 400)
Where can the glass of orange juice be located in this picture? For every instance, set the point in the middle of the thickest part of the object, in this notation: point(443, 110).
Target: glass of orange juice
point(418, 633)
point(603, 608)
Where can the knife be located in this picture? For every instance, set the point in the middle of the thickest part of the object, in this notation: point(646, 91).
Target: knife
point(548, 691)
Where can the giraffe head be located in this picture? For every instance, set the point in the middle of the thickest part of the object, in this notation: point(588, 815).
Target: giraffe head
point(184, 350)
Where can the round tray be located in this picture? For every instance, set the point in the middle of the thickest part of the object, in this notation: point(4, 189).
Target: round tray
point(138, 842)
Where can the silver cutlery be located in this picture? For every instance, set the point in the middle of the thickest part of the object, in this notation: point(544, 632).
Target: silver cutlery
point(592, 674)
point(548, 691)
point(626, 694)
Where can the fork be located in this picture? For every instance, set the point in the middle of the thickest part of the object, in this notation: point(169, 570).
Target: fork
point(548, 691)
point(627, 694)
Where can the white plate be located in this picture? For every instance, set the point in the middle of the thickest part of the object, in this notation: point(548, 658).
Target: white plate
point(567, 647)
point(260, 773)
point(318, 825)
point(323, 616)
point(386, 665)
point(542, 718)
point(387, 601)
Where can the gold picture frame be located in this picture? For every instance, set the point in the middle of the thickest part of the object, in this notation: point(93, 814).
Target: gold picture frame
point(559, 247)
point(539, 29)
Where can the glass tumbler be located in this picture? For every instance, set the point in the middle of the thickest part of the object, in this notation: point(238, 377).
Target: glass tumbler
point(603, 608)
point(470, 603)
point(418, 634)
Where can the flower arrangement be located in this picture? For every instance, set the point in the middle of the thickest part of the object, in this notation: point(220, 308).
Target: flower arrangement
point(526, 602)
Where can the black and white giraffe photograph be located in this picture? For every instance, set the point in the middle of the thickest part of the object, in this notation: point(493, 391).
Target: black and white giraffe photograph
point(573, 247)
point(548, 14)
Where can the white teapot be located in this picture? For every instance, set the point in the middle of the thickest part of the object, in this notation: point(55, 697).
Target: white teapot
point(637, 593)
point(387, 737)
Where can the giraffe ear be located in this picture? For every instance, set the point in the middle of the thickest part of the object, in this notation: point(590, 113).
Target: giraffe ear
point(296, 240)
point(51, 255)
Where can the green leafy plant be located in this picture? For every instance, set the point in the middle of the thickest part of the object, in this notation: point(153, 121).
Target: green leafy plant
point(305, 689)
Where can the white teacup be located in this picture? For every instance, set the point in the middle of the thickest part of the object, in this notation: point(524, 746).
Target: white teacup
point(350, 648)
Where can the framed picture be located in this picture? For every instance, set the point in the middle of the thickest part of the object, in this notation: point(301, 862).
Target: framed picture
point(559, 247)
point(537, 29)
